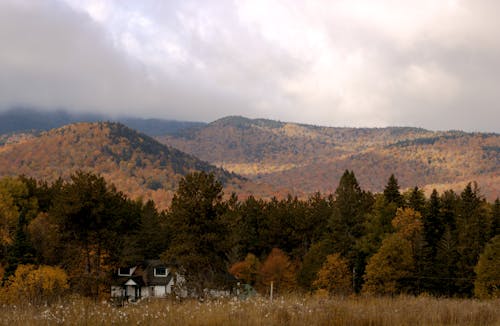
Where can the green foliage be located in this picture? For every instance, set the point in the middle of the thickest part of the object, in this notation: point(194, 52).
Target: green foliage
point(391, 192)
point(198, 245)
point(473, 232)
point(312, 262)
point(94, 217)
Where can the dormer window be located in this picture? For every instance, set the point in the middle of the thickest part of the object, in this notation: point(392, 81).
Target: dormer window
point(125, 271)
point(160, 272)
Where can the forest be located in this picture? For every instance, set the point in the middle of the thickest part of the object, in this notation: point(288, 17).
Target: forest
point(70, 236)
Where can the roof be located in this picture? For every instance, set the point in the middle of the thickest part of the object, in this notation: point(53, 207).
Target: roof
point(144, 274)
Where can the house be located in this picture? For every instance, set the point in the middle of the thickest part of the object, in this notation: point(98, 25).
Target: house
point(151, 278)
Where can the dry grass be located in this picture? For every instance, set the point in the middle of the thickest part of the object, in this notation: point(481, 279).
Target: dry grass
point(259, 311)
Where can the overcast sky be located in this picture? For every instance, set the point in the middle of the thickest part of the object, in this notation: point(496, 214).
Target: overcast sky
point(432, 64)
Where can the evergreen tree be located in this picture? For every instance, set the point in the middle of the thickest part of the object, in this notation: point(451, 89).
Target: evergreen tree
point(21, 251)
point(416, 200)
point(473, 230)
point(433, 231)
point(391, 192)
point(495, 228)
point(346, 223)
point(94, 219)
point(199, 245)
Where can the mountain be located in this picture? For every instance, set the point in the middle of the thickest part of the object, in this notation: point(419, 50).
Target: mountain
point(136, 163)
point(306, 158)
point(22, 120)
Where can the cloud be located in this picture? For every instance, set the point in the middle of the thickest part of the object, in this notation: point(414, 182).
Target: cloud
point(346, 62)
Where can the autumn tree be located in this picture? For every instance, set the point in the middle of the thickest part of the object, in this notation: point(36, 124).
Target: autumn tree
point(312, 262)
point(198, 244)
point(392, 269)
point(15, 202)
point(36, 284)
point(247, 270)
point(278, 269)
point(487, 284)
point(389, 267)
point(335, 276)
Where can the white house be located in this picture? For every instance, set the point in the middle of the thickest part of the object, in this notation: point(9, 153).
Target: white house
point(151, 278)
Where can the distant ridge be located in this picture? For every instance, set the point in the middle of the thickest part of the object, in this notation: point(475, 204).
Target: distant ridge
point(308, 158)
point(31, 120)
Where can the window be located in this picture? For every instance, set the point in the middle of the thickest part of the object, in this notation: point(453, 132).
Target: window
point(161, 271)
point(124, 271)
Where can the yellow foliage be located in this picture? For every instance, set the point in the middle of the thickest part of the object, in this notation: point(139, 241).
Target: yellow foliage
point(387, 268)
point(334, 276)
point(408, 223)
point(32, 284)
point(487, 284)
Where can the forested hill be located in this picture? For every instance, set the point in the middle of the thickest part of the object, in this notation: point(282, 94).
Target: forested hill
point(134, 162)
point(307, 158)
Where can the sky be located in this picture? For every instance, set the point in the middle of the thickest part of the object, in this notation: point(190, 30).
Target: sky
point(357, 63)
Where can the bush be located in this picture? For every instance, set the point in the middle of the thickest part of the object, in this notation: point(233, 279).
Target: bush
point(35, 285)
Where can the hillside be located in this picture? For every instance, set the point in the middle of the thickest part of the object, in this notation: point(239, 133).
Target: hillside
point(134, 162)
point(305, 158)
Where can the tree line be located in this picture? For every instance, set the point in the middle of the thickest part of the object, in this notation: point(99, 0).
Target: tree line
point(350, 241)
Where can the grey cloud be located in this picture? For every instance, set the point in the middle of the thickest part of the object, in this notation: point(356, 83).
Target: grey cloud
point(200, 61)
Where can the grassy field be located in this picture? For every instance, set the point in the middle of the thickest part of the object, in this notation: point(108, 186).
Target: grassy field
point(259, 311)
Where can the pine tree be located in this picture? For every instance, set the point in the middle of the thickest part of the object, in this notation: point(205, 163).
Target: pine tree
point(474, 229)
point(416, 200)
point(391, 192)
point(198, 245)
point(21, 251)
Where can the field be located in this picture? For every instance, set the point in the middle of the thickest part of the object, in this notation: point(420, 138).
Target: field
point(259, 311)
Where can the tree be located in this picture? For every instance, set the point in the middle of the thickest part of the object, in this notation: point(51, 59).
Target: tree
point(416, 200)
point(248, 270)
point(346, 222)
point(487, 284)
point(150, 239)
point(198, 245)
point(253, 227)
point(391, 192)
point(346, 225)
point(14, 199)
point(334, 276)
point(312, 262)
point(278, 268)
point(94, 218)
point(473, 232)
point(388, 269)
point(433, 229)
point(393, 269)
point(21, 251)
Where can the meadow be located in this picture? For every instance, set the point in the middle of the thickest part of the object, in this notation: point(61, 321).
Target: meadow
point(293, 310)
